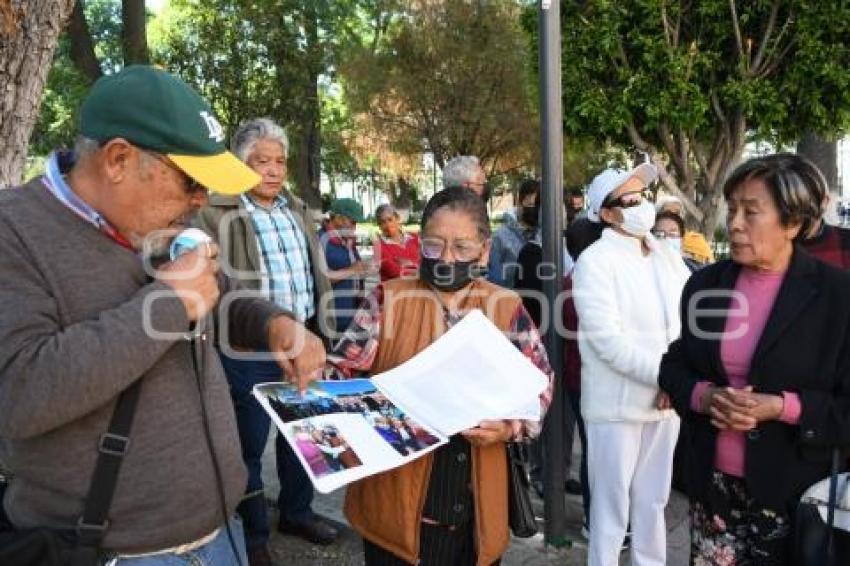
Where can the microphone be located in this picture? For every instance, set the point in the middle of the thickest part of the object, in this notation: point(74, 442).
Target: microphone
point(186, 241)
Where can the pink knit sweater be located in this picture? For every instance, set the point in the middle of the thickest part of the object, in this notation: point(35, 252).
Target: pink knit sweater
point(749, 310)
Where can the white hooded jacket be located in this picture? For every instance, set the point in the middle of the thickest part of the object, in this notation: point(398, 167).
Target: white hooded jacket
point(628, 312)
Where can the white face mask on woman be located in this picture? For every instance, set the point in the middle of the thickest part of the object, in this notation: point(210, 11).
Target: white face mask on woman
point(638, 220)
point(675, 243)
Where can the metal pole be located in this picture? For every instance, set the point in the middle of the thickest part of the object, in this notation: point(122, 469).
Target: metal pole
point(554, 474)
point(434, 172)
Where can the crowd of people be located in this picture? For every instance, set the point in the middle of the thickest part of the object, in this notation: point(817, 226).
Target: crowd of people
point(324, 449)
point(679, 369)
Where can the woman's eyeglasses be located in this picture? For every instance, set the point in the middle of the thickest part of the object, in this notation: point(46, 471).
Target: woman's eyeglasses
point(666, 235)
point(462, 250)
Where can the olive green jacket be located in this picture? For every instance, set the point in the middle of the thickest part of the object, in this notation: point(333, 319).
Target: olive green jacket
point(229, 224)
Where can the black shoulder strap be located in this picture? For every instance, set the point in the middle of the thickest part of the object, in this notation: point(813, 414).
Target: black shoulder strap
point(111, 448)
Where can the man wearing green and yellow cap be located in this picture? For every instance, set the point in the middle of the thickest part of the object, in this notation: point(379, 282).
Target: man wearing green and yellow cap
point(84, 316)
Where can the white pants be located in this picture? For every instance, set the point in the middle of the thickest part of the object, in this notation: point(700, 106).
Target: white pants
point(630, 469)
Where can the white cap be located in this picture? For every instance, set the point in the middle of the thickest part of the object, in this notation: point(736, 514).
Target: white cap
point(610, 180)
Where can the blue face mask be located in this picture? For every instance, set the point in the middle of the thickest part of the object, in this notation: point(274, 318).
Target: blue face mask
point(675, 243)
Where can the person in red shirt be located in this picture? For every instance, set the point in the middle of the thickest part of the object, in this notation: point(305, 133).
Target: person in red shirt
point(830, 244)
point(397, 251)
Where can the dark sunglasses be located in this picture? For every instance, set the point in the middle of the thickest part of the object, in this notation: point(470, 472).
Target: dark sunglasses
point(627, 200)
point(190, 185)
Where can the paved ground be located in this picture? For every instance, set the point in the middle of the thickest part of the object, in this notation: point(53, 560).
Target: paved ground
point(291, 551)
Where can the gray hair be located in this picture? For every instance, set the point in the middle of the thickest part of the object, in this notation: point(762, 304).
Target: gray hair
point(663, 201)
point(797, 186)
point(249, 133)
point(85, 147)
point(459, 199)
point(386, 207)
point(460, 170)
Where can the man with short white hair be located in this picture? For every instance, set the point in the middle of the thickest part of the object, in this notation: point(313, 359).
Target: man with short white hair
point(627, 287)
point(269, 242)
point(466, 171)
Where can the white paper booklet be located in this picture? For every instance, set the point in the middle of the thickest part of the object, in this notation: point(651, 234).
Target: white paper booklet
point(346, 430)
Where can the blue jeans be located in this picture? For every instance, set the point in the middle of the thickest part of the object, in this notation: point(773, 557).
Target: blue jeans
point(296, 491)
point(217, 552)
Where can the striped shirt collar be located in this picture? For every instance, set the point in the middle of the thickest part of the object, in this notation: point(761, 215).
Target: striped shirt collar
point(54, 181)
point(251, 204)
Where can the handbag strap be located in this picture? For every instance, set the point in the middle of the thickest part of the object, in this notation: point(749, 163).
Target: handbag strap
point(112, 447)
point(833, 503)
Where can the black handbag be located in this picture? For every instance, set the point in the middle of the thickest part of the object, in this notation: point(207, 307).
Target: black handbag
point(819, 543)
point(520, 513)
point(80, 545)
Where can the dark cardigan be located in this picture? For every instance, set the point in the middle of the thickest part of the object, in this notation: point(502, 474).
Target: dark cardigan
point(805, 348)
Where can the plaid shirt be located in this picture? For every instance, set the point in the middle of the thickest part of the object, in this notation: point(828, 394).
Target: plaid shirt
point(286, 278)
point(355, 352)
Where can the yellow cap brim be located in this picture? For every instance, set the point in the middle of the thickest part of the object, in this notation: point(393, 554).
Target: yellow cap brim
point(222, 173)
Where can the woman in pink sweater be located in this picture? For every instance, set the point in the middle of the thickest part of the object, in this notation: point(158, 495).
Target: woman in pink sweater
point(761, 372)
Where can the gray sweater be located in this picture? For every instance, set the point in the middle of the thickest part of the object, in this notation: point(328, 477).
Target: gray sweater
point(72, 337)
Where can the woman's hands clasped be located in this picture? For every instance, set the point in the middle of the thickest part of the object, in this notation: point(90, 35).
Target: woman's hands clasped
point(739, 409)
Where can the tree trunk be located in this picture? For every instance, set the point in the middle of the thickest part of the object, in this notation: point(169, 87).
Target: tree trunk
point(712, 209)
point(307, 148)
point(712, 203)
point(308, 165)
point(824, 154)
point(26, 53)
point(404, 194)
point(82, 46)
point(135, 41)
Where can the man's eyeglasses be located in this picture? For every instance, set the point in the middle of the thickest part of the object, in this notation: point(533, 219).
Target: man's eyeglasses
point(462, 250)
point(190, 185)
point(627, 200)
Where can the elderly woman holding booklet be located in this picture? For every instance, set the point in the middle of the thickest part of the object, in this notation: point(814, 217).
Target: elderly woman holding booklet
point(449, 506)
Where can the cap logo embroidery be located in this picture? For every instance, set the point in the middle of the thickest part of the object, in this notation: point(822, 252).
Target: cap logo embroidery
point(215, 129)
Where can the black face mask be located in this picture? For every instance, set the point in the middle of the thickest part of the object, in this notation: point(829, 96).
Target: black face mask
point(446, 276)
point(529, 215)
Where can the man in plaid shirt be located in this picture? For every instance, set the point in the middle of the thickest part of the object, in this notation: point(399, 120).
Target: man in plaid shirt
point(268, 241)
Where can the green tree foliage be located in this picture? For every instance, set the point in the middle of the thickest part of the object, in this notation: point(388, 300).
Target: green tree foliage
point(66, 87)
point(688, 81)
point(450, 77)
point(263, 58)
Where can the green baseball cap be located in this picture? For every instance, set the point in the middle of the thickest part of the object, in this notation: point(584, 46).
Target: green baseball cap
point(347, 207)
point(157, 111)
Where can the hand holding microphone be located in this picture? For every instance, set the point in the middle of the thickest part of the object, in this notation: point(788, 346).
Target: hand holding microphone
point(191, 273)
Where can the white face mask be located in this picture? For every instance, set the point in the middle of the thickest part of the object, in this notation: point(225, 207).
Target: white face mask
point(675, 243)
point(638, 220)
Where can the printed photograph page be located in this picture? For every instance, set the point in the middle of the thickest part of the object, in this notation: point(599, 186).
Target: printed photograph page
point(470, 374)
point(343, 431)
